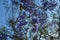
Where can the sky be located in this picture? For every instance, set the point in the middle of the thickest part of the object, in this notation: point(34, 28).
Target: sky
point(3, 16)
point(2, 13)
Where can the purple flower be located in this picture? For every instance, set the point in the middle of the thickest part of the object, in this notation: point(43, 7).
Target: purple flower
point(49, 5)
point(21, 23)
point(34, 21)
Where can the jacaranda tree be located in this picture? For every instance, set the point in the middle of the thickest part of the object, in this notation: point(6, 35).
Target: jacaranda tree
point(34, 19)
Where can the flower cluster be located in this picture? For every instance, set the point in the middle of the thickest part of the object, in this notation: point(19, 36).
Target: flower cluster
point(32, 18)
